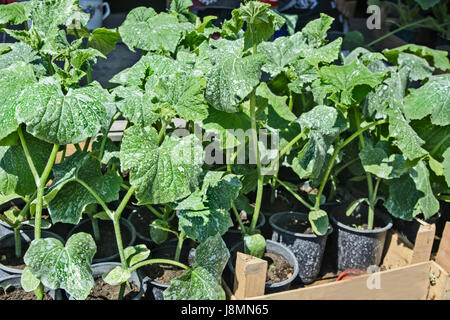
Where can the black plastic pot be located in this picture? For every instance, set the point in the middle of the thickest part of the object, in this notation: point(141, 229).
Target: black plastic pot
point(125, 226)
point(359, 249)
point(5, 229)
point(14, 281)
point(307, 248)
point(233, 236)
point(134, 218)
point(99, 269)
point(26, 236)
point(155, 289)
point(275, 247)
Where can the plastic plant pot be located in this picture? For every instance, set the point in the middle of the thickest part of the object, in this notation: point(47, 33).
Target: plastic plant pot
point(14, 281)
point(233, 236)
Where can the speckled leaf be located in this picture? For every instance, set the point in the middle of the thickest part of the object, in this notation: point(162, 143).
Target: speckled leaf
point(104, 40)
point(418, 67)
point(406, 138)
point(23, 52)
point(325, 120)
point(184, 93)
point(28, 281)
point(213, 255)
point(164, 173)
point(378, 161)
point(428, 204)
point(315, 32)
point(402, 198)
point(15, 173)
point(325, 54)
point(14, 13)
point(110, 153)
point(231, 79)
point(364, 55)
point(342, 81)
point(446, 165)
point(61, 118)
point(255, 245)
point(319, 221)
point(433, 98)
point(67, 198)
point(146, 30)
point(136, 254)
point(66, 267)
point(14, 79)
point(195, 284)
point(437, 57)
point(116, 276)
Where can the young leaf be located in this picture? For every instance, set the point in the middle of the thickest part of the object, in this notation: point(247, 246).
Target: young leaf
point(378, 161)
point(104, 40)
point(418, 67)
point(158, 231)
point(355, 204)
point(136, 254)
point(164, 173)
point(67, 267)
point(28, 281)
point(315, 32)
point(255, 245)
point(319, 221)
point(116, 276)
point(325, 120)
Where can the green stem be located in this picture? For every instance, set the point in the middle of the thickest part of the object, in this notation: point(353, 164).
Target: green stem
point(96, 196)
point(152, 261)
point(181, 238)
point(95, 229)
point(439, 144)
point(291, 101)
point(40, 192)
point(28, 156)
point(63, 156)
point(345, 165)
point(290, 144)
point(89, 75)
point(238, 218)
point(77, 146)
point(17, 242)
point(162, 131)
point(406, 26)
point(306, 204)
point(154, 211)
point(116, 223)
point(86, 144)
point(124, 202)
point(39, 291)
point(105, 136)
point(121, 291)
point(49, 65)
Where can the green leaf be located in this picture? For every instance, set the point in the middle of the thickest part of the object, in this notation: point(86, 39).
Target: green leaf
point(213, 255)
point(28, 281)
point(446, 165)
point(428, 203)
point(430, 99)
point(355, 204)
point(104, 40)
point(110, 152)
point(255, 245)
point(136, 254)
point(382, 163)
point(63, 118)
point(158, 231)
point(184, 93)
point(14, 79)
point(67, 198)
point(315, 32)
point(15, 173)
point(116, 276)
point(325, 120)
point(418, 67)
point(14, 13)
point(195, 284)
point(402, 197)
point(364, 55)
point(231, 80)
point(325, 54)
point(164, 173)
point(319, 221)
point(349, 84)
point(146, 30)
point(427, 4)
point(23, 52)
point(437, 57)
point(230, 28)
point(45, 224)
point(67, 267)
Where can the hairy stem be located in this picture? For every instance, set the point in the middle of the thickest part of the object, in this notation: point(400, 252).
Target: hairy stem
point(296, 196)
point(17, 242)
point(181, 238)
point(28, 156)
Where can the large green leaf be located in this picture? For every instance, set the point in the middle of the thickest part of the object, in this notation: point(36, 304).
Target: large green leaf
point(418, 67)
point(14, 13)
point(23, 52)
point(437, 57)
point(104, 40)
point(319, 221)
point(67, 198)
point(63, 118)
point(433, 98)
point(325, 54)
point(446, 165)
point(231, 79)
point(14, 79)
point(66, 267)
point(402, 198)
point(428, 204)
point(325, 120)
point(146, 30)
point(315, 32)
point(15, 173)
point(213, 255)
point(160, 173)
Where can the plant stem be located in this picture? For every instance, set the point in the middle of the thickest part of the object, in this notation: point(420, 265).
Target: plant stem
point(154, 211)
point(121, 291)
point(89, 75)
point(49, 65)
point(40, 192)
point(95, 229)
point(28, 156)
point(406, 26)
point(124, 202)
point(116, 223)
point(290, 144)
point(306, 204)
point(105, 136)
point(86, 144)
point(77, 146)
point(152, 261)
point(18, 242)
point(181, 238)
point(96, 196)
point(39, 291)
point(162, 131)
point(238, 218)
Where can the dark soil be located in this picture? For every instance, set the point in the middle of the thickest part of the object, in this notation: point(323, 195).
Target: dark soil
point(8, 258)
point(19, 294)
point(162, 273)
point(104, 291)
point(278, 268)
point(298, 226)
point(107, 245)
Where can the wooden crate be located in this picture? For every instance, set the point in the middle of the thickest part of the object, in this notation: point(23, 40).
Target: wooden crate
point(410, 275)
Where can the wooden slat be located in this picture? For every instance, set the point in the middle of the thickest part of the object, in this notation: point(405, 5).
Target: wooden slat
point(443, 254)
point(440, 287)
point(423, 244)
point(250, 276)
point(405, 283)
point(398, 251)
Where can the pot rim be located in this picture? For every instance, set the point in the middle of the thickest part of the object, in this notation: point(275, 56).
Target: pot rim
point(273, 285)
point(296, 234)
point(385, 217)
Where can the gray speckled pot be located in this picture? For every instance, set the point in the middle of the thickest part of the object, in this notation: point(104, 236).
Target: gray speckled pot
point(27, 236)
point(359, 249)
point(14, 281)
point(275, 247)
point(233, 236)
point(307, 248)
point(99, 269)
